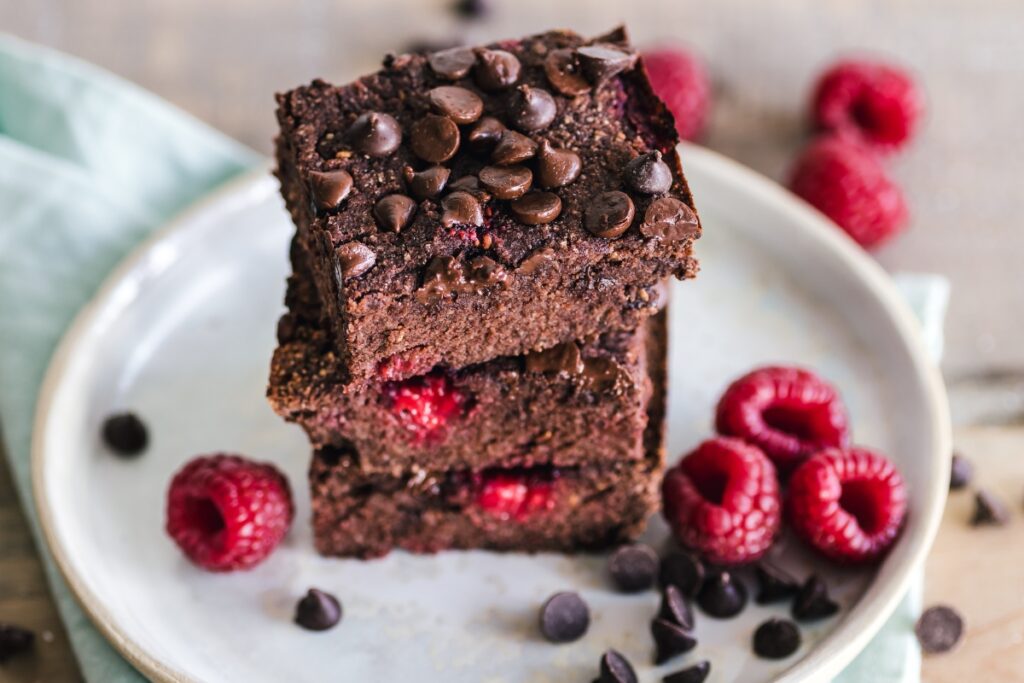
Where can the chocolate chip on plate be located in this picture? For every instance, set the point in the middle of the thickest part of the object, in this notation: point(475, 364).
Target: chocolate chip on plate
point(812, 601)
point(683, 570)
point(774, 585)
point(459, 104)
point(670, 640)
point(394, 211)
point(556, 166)
point(537, 208)
point(453, 63)
point(434, 138)
point(471, 9)
point(633, 567)
point(722, 595)
point(506, 182)
point(562, 70)
point(670, 220)
point(531, 109)
point(697, 673)
point(375, 134)
point(615, 668)
point(675, 608)
point(648, 174)
point(939, 629)
point(989, 510)
point(496, 69)
point(513, 148)
point(776, 639)
point(354, 258)
point(329, 188)
point(14, 640)
point(601, 61)
point(961, 472)
point(461, 208)
point(125, 434)
point(317, 611)
point(609, 214)
point(427, 183)
point(564, 617)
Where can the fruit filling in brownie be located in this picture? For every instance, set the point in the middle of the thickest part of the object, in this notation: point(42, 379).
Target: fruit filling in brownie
point(476, 203)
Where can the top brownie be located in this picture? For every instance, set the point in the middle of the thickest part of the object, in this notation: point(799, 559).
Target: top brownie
point(475, 203)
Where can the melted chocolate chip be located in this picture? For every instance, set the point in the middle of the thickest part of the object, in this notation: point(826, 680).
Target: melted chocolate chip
point(776, 639)
point(939, 629)
point(602, 374)
point(531, 109)
point(434, 138)
point(427, 183)
point(354, 258)
point(14, 640)
point(535, 261)
point(329, 188)
point(461, 208)
point(506, 182)
point(723, 595)
point(812, 601)
point(602, 61)
point(989, 510)
point(683, 570)
point(317, 611)
point(697, 673)
point(615, 668)
point(496, 69)
point(670, 640)
point(556, 167)
point(961, 472)
point(564, 617)
point(633, 567)
point(513, 148)
point(453, 63)
point(375, 134)
point(675, 608)
point(485, 134)
point(483, 271)
point(561, 359)
point(459, 104)
point(670, 220)
point(648, 174)
point(470, 184)
point(537, 208)
point(394, 212)
point(446, 275)
point(610, 214)
point(562, 70)
point(125, 434)
point(774, 585)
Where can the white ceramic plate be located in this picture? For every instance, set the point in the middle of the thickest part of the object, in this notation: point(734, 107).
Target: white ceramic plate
point(183, 333)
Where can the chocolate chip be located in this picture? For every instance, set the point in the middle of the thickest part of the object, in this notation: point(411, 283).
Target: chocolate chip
point(989, 510)
point(774, 585)
point(496, 69)
point(513, 148)
point(615, 668)
point(602, 61)
point(394, 212)
point(375, 133)
point(776, 639)
point(506, 182)
point(648, 174)
point(697, 673)
point(531, 109)
point(453, 63)
point(675, 608)
point(564, 617)
point(670, 220)
point(471, 9)
point(683, 570)
point(317, 611)
point(537, 208)
point(633, 567)
point(470, 184)
point(670, 640)
point(556, 166)
point(427, 183)
point(125, 434)
point(812, 601)
point(485, 134)
point(434, 138)
point(564, 359)
point(610, 214)
point(354, 258)
point(961, 472)
point(461, 208)
point(536, 261)
point(14, 640)
point(329, 188)
point(420, 45)
point(562, 70)
point(459, 104)
point(722, 595)
point(939, 629)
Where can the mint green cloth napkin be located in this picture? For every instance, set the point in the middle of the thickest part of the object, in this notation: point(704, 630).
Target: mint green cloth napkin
point(89, 166)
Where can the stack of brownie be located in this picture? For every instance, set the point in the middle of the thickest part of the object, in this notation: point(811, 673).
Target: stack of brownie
point(474, 340)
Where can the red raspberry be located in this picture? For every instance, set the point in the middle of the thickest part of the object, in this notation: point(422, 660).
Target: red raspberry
point(788, 413)
point(874, 103)
point(226, 512)
point(680, 80)
point(514, 495)
point(722, 500)
point(848, 184)
point(848, 504)
point(425, 404)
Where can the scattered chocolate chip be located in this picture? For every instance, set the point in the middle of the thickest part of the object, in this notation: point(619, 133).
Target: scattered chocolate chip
point(125, 434)
point(615, 668)
point(610, 214)
point(564, 617)
point(697, 673)
point(14, 640)
point(427, 183)
point(506, 182)
point(453, 63)
point(602, 61)
point(961, 472)
point(375, 133)
point(513, 148)
point(683, 570)
point(461, 208)
point(434, 138)
point(670, 640)
point(774, 585)
point(648, 174)
point(531, 109)
point(470, 184)
point(471, 9)
point(989, 510)
point(812, 601)
point(317, 611)
point(394, 212)
point(670, 220)
point(939, 629)
point(354, 258)
point(633, 567)
point(562, 70)
point(537, 208)
point(556, 166)
point(496, 69)
point(459, 104)
point(776, 639)
point(329, 188)
point(423, 46)
point(675, 608)
point(483, 136)
point(722, 595)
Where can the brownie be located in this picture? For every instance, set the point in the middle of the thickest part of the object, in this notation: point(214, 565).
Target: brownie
point(472, 204)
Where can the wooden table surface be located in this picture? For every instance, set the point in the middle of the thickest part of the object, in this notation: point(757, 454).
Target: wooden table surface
point(222, 60)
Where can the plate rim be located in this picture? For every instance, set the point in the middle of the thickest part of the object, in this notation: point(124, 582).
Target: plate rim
point(825, 660)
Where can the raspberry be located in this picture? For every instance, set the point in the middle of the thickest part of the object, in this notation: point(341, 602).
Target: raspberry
point(425, 404)
point(848, 184)
point(849, 504)
point(722, 500)
point(874, 103)
point(680, 80)
point(226, 512)
point(788, 413)
point(511, 494)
